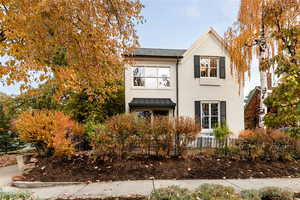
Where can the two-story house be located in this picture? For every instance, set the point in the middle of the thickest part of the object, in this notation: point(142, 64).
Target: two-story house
point(195, 82)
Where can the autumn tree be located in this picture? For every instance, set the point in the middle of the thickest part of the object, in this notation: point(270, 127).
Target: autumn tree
point(76, 43)
point(80, 106)
point(253, 36)
point(50, 132)
point(38, 98)
point(85, 108)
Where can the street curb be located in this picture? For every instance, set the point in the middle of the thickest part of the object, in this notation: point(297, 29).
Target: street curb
point(36, 184)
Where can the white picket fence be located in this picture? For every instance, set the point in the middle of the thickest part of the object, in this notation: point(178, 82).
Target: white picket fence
point(207, 141)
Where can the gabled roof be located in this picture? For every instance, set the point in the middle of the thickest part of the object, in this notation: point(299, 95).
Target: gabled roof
point(153, 52)
point(202, 38)
point(214, 33)
point(173, 53)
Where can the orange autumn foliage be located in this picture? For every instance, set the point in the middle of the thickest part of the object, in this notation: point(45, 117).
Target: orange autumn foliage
point(267, 144)
point(48, 131)
point(125, 135)
point(272, 17)
point(78, 42)
point(246, 133)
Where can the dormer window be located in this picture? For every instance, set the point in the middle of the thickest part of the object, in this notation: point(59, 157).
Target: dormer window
point(209, 66)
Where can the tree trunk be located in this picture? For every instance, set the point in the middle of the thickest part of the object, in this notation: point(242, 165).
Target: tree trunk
point(263, 74)
point(263, 96)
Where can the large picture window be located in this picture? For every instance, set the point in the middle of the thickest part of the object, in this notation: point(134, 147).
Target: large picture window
point(210, 115)
point(151, 77)
point(209, 66)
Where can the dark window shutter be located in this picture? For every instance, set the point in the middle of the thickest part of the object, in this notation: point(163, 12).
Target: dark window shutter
point(198, 113)
point(222, 67)
point(197, 66)
point(223, 111)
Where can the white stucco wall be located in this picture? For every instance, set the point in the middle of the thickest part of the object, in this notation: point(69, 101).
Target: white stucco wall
point(212, 89)
point(191, 89)
point(131, 92)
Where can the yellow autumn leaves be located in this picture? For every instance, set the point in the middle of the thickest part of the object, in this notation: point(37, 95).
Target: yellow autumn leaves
point(77, 43)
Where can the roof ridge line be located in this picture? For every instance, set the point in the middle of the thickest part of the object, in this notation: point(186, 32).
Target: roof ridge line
point(160, 48)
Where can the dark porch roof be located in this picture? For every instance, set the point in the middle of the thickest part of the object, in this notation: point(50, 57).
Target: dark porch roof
point(152, 102)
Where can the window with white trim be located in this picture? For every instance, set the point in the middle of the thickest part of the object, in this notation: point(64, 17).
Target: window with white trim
point(151, 77)
point(209, 66)
point(210, 115)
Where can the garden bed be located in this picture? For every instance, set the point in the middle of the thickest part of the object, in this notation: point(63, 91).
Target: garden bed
point(81, 169)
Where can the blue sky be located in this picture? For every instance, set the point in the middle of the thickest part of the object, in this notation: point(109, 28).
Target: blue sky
point(178, 23)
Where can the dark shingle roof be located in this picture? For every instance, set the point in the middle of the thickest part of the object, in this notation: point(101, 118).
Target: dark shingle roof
point(151, 52)
point(152, 102)
point(251, 95)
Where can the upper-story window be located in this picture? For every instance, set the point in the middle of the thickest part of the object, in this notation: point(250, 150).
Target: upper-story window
point(151, 77)
point(209, 66)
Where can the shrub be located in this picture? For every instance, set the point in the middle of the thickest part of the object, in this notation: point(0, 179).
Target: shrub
point(297, 149)
point(221, 132)
point(267, 144)
point(127, 134)
point(294, 132)
point(161, 133)
point(20, 195)
point(102, 144)
point(118, 136)
point(250, 195)
point(246, 133)
point(49, 131)
point(251, 145)
point(91, 128)
point(171, 193)
point(186, 131)
point(233, 152)
point(123, 130)
point(281, 146)
point(274, 193)
point(215, 192)
point(219, 192)
point(145, 139)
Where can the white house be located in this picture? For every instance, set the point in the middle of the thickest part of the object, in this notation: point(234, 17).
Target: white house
point(195, 82)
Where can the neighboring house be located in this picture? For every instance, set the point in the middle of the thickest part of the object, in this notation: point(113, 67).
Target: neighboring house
point(251, 111)
point(195, 82)
point(252, 102)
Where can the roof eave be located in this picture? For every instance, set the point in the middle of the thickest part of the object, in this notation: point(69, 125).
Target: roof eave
point(153, 56)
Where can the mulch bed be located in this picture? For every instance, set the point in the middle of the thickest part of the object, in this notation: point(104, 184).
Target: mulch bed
point(81, 168)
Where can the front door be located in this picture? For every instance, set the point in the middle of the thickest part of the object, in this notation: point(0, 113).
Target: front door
point(160, 112)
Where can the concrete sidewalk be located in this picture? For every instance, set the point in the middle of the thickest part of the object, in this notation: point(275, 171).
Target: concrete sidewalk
point(6, 173)
point(121, 188)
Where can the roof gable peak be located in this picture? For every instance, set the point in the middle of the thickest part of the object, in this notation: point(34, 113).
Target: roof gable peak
point(210, 32)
